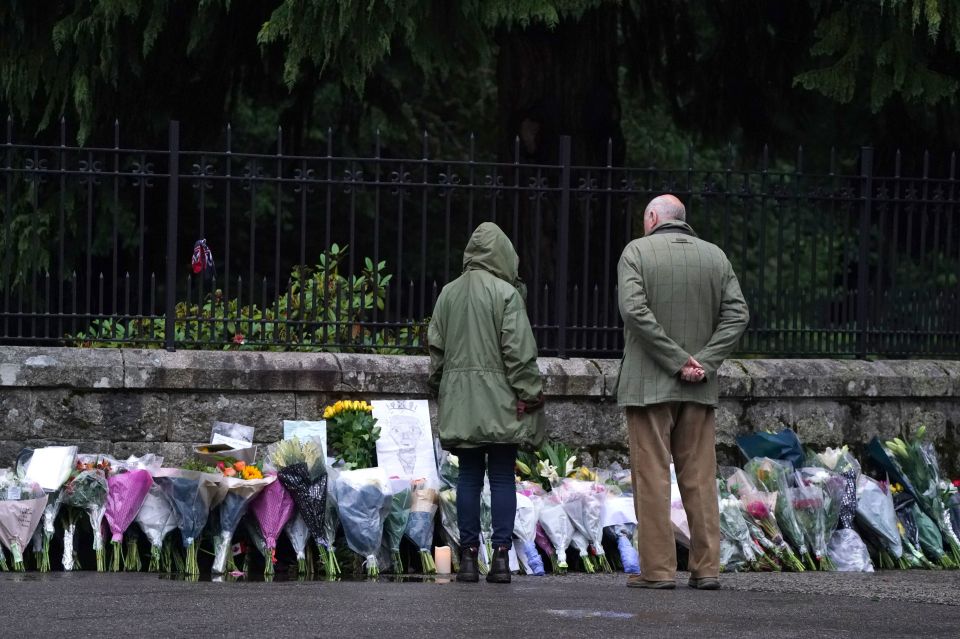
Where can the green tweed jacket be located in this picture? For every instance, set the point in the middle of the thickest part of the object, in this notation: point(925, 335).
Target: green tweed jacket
point(678, 297)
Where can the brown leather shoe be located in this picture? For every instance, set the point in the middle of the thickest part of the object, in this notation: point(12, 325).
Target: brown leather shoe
point(637, 581)
point(704, 583)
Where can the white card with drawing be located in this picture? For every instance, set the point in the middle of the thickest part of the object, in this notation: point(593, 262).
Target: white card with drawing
point(405, 447)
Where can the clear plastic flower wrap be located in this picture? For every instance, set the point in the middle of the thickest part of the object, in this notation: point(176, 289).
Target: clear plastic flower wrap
point(363, 501)
point(735, 532)
point(584, 507)
point(299, 535)
point(420, 523)
point(832, 488)
point(848, 552)
point(809, 507)
point(239, 494)
point(87, 492)
point(157, 518)
point(877, 515)
point(449, 469)
point(331, 523)
point(448, 521)
point(525, 528)
point(595, 498)
point(771, 476)
point(759, 508)
point(193, 494)
point(486, 528)
point(558, 527)
point(678, 514)
point(396, 522)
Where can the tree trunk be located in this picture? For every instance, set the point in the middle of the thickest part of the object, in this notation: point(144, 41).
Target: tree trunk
point(551, 83)
point(561, 82)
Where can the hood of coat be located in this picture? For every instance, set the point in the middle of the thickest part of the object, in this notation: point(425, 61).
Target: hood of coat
point(489, 249)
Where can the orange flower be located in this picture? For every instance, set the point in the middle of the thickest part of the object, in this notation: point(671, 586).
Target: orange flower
point(239, 466)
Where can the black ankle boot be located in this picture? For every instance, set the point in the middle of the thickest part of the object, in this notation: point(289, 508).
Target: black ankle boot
point(500, 566)
point(469, 568)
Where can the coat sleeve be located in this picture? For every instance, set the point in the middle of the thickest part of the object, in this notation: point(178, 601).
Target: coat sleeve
point(435, 343)
point(519, 350)
point(639, 319)
point(733, 319)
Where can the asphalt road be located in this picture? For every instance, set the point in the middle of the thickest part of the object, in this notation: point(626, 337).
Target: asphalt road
point(895, 604)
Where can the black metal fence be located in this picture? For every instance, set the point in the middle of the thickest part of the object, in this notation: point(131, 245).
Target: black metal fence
point(328, 252)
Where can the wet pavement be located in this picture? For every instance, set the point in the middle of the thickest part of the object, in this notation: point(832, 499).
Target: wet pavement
point(891, 604)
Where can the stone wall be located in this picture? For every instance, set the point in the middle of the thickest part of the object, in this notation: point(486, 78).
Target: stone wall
point(130, 401)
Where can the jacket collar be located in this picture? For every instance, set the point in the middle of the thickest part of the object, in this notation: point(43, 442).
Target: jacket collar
point(674, 226)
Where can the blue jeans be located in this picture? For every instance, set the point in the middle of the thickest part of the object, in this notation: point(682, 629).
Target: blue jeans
point(499, 462)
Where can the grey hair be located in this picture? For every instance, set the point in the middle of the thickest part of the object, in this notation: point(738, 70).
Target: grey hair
point(668, 207)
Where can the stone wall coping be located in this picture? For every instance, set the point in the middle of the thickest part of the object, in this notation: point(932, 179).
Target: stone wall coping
point(225, 371)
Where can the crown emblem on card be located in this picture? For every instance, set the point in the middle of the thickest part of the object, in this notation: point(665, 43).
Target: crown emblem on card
point(399, 404)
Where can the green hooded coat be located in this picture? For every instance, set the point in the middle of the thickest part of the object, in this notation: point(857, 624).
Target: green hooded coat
point(483, 356)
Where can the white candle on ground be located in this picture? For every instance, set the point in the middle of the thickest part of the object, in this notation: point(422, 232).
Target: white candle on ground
point(441, 556)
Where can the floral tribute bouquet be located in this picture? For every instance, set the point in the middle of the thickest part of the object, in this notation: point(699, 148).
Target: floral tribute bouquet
point(913, 464)
point(449, 465)
point(525, 529)
point(193, 494)
point(448, 521)
point(877, 516)
point(273, 508)
point(86, 491)
point(126, 492)
point(299, 536)
point(813, 506)
point(364, 498)
point(352, 432)
point(21, 509)
point(845, 547)
point(558, 528)
point(157, 519)
point(242, 482)
point(759, 508)
point(302, 471)
point(486, 529)
point(50, 467)
point(738, 545)
point(419, 530)
point(771, 475)
point(331, 524)
point(583, 503)
point(907, 527)
point(396, 523)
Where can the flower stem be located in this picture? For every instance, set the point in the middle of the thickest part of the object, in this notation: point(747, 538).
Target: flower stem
point(154, 565)
point(133, 563)
point(429, 567)
point(116, 549)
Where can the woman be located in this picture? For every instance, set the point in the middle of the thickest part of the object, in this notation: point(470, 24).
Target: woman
point(483, 364)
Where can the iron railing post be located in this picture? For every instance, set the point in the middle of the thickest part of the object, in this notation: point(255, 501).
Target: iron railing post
point(563, 246)
point(173, 209)
point(866, 195)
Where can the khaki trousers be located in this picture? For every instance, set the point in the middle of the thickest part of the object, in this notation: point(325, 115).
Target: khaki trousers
point(687, 431)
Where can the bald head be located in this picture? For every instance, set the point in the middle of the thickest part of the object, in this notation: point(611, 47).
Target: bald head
point(661, 209)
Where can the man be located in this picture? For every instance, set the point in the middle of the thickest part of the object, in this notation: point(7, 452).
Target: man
point(483, 363)
point(683, 313)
